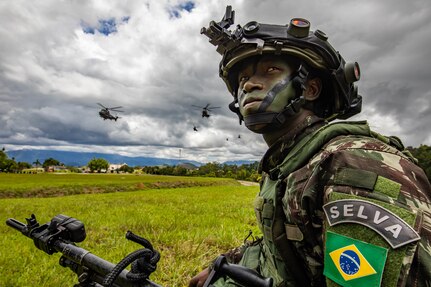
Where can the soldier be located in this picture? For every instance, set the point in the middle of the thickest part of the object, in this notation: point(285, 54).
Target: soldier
point(339, 204)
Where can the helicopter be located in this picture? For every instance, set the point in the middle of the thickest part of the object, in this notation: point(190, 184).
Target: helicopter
point(105, 113)
point(206, 110)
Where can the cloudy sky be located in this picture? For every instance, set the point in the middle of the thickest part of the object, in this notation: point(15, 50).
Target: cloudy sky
point(58, 59)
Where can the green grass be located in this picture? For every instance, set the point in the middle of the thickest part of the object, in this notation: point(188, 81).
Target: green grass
point(189, 226)
point(49, 184)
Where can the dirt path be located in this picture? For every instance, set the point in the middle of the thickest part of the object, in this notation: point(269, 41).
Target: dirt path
point(248, 183)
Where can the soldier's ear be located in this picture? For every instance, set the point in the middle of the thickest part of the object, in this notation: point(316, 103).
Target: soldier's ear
point(313, 87)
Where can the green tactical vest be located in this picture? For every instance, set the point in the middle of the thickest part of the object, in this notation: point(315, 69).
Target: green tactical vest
point(278, 257)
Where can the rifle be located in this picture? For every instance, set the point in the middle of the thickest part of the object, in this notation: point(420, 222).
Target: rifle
point(62, 232)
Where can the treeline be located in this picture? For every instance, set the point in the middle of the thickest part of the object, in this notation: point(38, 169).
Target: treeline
point(243, 172)
point(214, 169)
point(423, 155)
point(249, 171)
point(10, 165)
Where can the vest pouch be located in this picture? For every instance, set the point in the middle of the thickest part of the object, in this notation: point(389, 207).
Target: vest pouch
point(268, 268)
point(250, 259)
point(259, 258)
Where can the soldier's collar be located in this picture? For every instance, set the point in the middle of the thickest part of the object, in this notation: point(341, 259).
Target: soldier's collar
point(278, 151)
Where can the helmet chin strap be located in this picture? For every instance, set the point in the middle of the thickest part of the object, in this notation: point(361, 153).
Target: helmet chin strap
point(273, 120)
point(235, 108)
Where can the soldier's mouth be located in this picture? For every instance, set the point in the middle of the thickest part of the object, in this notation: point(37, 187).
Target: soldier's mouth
point(251, 101)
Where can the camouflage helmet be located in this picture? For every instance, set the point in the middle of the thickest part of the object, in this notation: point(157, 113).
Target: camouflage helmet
point(312, 49)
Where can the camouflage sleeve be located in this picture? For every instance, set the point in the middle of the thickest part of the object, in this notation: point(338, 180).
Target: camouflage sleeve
point(367, 172)
point(376, 193)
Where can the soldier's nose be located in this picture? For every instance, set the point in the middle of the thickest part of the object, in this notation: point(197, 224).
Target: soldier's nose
point(251, 86)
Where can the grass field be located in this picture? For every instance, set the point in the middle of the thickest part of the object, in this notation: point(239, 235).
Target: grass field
point(189, 226)
point(49, 184)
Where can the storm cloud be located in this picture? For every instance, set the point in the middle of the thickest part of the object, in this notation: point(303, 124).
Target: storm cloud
point(60, 58)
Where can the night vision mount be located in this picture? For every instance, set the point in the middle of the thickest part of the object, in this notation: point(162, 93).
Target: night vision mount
point(219, 34)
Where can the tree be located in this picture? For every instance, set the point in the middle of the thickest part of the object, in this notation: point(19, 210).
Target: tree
point(180, 171)
point(50, 162)
point(73, 169)
point(23, 165)
point(423, 155)
point(126, 168)
point(3, 158)
point(7, 164)
point(37, 163)
point(97, 164)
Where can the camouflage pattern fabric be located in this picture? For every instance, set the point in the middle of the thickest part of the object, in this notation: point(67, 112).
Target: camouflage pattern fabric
point(302, 173)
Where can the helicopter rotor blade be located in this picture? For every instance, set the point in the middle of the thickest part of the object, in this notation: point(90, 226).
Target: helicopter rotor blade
point(213, 108)
point(102, 105)
point(113, 108)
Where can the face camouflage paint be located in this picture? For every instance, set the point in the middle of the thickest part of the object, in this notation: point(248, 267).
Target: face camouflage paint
point(270, 85)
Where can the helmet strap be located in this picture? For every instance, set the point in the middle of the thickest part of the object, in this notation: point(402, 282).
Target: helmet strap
point(276, 120)
point(235, 108)
point(298, 79)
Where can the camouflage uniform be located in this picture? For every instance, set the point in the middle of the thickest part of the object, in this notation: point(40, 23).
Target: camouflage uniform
point(339, 203)
point(324, 163)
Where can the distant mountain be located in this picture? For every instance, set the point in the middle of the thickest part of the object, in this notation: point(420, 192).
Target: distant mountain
point(239, 162)
point(71, 158)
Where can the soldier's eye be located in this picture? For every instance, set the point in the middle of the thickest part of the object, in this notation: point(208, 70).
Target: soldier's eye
point(242, 79)
point(272, 69)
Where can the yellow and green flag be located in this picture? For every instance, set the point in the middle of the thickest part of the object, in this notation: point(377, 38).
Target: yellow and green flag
point(353, 263)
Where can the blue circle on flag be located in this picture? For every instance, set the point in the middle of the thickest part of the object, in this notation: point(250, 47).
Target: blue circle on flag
point(349, 262)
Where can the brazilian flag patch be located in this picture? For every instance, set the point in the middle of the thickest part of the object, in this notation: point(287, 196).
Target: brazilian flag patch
point(353, 263)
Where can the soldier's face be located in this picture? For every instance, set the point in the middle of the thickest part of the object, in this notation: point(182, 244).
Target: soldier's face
point(256, 78)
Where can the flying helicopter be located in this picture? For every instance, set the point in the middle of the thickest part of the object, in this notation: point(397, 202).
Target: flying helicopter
point(206, 110)
point(105, 113)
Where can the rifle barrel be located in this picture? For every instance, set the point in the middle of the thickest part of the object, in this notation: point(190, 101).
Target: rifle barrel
point(18, 225)
point(99, 266)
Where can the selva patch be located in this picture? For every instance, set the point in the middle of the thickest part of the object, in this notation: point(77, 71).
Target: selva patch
point(389, 225)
